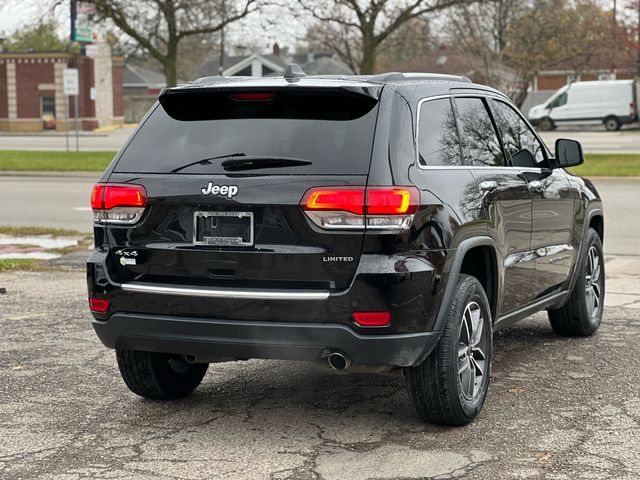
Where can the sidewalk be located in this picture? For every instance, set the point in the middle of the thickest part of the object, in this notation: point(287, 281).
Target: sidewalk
point(89, 141)
point(623, 285)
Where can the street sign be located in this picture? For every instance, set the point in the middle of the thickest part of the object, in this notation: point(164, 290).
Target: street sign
point(91, 51)
point(82, 21)
point(71, 84)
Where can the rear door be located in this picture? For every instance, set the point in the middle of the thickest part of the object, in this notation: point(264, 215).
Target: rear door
point(225, 172)
point(506, 200)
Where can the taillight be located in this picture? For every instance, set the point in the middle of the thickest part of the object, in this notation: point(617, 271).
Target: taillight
point(372, 319)
point(343, 199)
point(118, 204)
point(98, 305)
point(377, 208)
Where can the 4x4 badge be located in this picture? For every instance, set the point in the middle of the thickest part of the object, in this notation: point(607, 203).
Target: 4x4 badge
point(229, 191)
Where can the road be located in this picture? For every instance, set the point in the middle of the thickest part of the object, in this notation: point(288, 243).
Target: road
point(67, 199)
point(47, 201)
point(89, 141)
point(557, 408)
point(593, 141)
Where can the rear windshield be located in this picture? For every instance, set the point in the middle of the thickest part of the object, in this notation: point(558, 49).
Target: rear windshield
point(195, 133)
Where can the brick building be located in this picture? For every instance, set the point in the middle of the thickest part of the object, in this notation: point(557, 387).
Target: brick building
point(31, 90)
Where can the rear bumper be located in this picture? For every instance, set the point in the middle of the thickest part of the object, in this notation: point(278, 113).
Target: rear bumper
point(228, 339)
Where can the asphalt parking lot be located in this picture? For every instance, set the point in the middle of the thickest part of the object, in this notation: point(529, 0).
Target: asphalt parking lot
point(557, 408)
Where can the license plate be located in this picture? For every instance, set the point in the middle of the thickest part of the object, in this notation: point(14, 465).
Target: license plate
point(223, 229)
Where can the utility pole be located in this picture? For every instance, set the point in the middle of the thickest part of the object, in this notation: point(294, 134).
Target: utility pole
point(221, 63)
point(638, 50)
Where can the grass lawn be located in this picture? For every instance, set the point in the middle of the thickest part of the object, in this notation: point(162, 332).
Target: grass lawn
point(596, 164)
point(609, 165)
point(19, 264)
point(54, 161)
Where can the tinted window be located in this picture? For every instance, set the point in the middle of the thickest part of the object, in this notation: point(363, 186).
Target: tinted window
point(195, 133)
point(478, 135)
point(520, 144)
point(438, 142)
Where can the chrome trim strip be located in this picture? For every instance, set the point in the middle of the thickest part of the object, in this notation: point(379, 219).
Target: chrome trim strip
point(229, 293)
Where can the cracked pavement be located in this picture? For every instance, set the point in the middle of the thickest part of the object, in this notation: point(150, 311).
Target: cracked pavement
point(557, 408)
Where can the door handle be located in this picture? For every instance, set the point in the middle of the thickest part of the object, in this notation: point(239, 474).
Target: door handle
point(488, 186)
point(536, 185)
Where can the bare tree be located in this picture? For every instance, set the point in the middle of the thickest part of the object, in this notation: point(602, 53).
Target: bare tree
point(480, 32)
point(159, 26)
point(372, 21)
point(551, 33)
point(330, 37)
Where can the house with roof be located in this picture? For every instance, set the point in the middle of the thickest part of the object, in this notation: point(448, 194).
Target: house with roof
point(141, 87)
point(267, 65)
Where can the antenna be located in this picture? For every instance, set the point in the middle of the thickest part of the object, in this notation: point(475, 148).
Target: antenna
point(293, 73)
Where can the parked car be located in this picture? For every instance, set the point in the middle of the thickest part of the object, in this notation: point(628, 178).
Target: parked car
point(387, 223)
point(610, 102)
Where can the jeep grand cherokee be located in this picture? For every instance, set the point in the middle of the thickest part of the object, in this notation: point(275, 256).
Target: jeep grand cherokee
point(368, 223)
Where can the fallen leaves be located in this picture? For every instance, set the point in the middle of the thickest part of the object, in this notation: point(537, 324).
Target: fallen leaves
point(516, 390)
point(543, 457)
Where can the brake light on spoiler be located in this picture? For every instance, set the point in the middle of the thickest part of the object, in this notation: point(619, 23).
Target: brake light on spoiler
point(118, 204)
point(359, 208)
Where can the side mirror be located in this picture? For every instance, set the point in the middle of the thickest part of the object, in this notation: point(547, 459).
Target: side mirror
point(568, 153)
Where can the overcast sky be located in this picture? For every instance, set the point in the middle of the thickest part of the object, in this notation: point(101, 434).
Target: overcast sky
point(257, 31)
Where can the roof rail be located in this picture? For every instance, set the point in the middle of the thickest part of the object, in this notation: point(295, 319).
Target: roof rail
point(399, 76)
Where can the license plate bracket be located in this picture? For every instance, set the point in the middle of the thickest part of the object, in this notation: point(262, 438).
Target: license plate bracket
point(223, 229)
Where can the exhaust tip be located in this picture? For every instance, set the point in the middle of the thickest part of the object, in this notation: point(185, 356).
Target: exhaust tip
point(190, 358)
point(338, 361)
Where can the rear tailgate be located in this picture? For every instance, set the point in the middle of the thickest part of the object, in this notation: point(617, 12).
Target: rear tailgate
point(224, 173)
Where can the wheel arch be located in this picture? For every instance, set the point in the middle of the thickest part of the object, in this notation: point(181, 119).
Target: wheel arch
point(593, 219)
point(477, 257)
point(596, 221)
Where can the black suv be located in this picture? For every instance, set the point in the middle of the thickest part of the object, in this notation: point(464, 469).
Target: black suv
point(367, 223)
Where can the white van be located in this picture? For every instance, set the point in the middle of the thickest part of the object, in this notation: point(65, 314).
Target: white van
point(611, 102)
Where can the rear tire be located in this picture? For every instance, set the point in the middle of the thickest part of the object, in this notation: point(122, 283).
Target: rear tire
point(612, 123)
point(159, 376)
point(450, 386)
point(582, 314)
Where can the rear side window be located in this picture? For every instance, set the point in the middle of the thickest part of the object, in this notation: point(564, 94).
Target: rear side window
point(438, 142)
point(194, 133)
point(521, 146)
point(482, 147)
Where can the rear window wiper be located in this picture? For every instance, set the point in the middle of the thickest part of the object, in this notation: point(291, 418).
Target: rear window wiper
point(251, 163)
point(207, 161)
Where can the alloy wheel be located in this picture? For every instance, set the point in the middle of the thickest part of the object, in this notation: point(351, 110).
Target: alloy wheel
point(593, 282)
point(472, 343)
